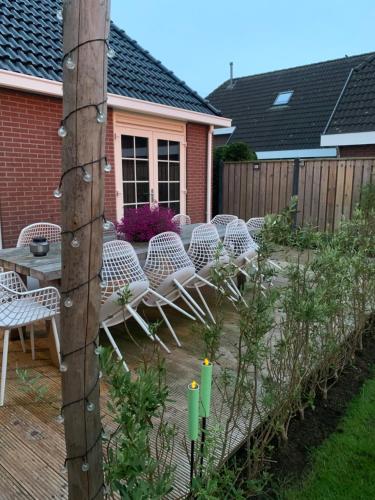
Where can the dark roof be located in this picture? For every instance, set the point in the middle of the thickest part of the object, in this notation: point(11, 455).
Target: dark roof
point(298, 125)
point(355, 109)
point(31, 42)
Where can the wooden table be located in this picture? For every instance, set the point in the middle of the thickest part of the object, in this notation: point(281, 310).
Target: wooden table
point(48, 269)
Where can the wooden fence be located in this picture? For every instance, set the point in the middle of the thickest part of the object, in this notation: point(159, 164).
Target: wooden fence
point(327, 189)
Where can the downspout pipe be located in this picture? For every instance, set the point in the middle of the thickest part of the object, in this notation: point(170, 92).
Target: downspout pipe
point(209, 174)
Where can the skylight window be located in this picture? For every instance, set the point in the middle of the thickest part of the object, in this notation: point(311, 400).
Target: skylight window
point(283, 98)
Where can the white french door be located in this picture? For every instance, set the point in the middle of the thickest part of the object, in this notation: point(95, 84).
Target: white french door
point(150, 167)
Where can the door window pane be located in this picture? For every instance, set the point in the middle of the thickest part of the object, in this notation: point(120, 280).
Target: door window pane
point(142, 192)
point(127, 143)
point(128, 170)
point(174, 171)
point(163, 171)
point(129, 192)
point(174, 151)
point(174, 191)
point(142, 170)
point(175, 207)
point(163, 191)
point(162, 150)
point(141, 147)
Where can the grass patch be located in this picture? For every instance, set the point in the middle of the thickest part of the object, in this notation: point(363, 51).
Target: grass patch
point(344, 466)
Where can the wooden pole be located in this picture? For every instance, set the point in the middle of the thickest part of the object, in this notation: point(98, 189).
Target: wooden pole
point(84, 86)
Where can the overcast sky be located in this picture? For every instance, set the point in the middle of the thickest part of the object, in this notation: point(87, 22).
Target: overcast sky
point(197, 39)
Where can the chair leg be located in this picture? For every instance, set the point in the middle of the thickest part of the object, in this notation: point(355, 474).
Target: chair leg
point(32, 342)
point(138, 318)
point(189, 297)
point(171, 304)
point(4, 367)
point(189, 304)
point(205, 303)
point(56, 337)
point(168, 324)
point(114, 345)
point(22, 338)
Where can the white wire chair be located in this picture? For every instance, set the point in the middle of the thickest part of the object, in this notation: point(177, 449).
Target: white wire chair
point(223, 219)
point(181, 220)
point(20, 307)
point(168, 269)
point(205, 251)
point(254, 226)
point(239, 244)
point(109, 232)
point(52, 232)
point(122, 273)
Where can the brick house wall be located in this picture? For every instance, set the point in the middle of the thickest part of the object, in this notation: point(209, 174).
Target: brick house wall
point(30, 162)
point(363, 151)
point(196, 171)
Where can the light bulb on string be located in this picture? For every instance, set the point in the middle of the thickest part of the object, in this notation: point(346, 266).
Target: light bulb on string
point(63, 368)
point(62, 131)
point(87, 177)
point(103, 284)
point(69, 63)
point(111, 53)
point(68, 302)
point(85, 467)
point(64, 469)
point(59, 15)
point(100, 118)
point(107, 168)
point(106, 225)
point(60, 419)
point(90, 406)
point(98, 350)
point(57, 193)
point(100, 374)
point(75, 242)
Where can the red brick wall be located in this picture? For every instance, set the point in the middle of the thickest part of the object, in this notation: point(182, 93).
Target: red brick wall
point(30, 152)
point(363, 151)
point(196, 171)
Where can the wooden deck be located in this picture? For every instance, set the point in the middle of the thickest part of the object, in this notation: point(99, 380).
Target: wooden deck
point(32, 448)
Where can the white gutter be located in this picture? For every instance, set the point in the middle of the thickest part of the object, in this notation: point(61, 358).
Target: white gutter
point(297, 153)
point(209, 174)
point(350, 139)
point(28, 83)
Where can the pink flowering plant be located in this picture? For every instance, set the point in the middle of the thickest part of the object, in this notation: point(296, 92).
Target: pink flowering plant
point(141, 224)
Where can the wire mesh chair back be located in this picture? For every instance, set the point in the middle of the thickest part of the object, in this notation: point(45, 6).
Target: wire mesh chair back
point(52, 232)
point(18, 306)
point(255, 225)
point(181, 220)
point(223, 219)
point(166, 255)
point(237, 240)
point(205, 247)
point(110, 233)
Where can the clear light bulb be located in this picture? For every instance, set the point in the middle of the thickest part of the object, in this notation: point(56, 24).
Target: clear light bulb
point(69, 63)
point(68, 302)
point(105, 435)
point(90, 406)
point(75, 242)
point(64, 469)
point(62, 131)
point(106, 225)
point(60, 419)
point(98, 350)
point(100, 118)
point(59, 15)
point(85, 467)
point(111, 53)
point(107, 168)
point(87, 177)
point(100, 374)
point(63, 368)
point(57, 193)
point(103, 285)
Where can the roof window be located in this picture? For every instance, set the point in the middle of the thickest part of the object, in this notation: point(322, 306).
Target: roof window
point(283, 98)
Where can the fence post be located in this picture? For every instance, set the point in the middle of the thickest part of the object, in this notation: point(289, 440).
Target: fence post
point(220, 188)
point(296, 166)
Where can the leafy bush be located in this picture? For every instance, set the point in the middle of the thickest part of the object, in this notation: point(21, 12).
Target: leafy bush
point(238, 151)
point(141, 224)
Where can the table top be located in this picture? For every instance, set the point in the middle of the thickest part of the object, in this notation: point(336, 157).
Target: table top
point(48, 268)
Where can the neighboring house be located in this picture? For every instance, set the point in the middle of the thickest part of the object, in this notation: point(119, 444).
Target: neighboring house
point(282, 114)
point(351, 126)
point(159, 131)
